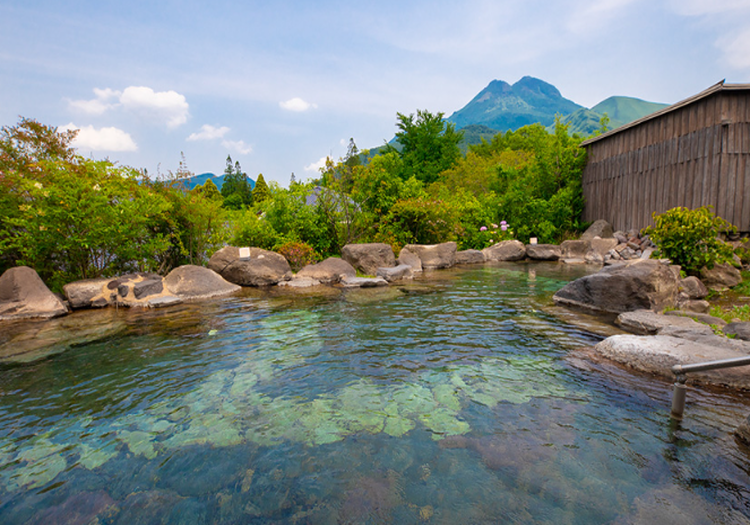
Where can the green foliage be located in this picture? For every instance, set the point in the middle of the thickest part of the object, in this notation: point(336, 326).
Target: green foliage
point(421, 220)
point(429, 145)
point(690, 238)
point(236, 189)
point(251, 230)
point(299, 254)
point(261, 191)
point(731, 313)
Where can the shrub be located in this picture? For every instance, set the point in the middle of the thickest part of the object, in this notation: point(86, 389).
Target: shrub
point(690, 238)
point(299, 254)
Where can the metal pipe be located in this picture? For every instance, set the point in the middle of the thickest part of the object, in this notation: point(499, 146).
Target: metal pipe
point(679, 390)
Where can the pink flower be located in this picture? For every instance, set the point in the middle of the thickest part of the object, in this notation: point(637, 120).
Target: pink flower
point(504, 227)
point(483, 229)
point(494, 226)
point(503, 223)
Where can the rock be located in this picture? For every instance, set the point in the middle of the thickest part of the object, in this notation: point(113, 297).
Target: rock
point(658, 353)
point(636, 285)
point(602, 246)
point(142, 290)
point(505, 251)
point(573, 252)
point(600, 228)
point(621, 237)
point(593, 257)
point(721, 277)
point(434, 256)
point(698, 306)
point(367, 258)
point(700, 317)
point(24, 295)
point(693, 287)
point(196, 282)
point(261, 268)
point(743, 432)
point(397, 273)
point(740, 329)
point(162, 301)
point(81, 507)
point(543, 252)
point(89, 293)
point(148, 287)
point(469, 257)
point(411, 259)
point(647, 322)
point(647, 253)
point(330, 271)
point(300, 282)
point(363, 282)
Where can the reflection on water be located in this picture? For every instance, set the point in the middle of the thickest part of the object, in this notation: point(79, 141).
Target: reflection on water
point(447, 400)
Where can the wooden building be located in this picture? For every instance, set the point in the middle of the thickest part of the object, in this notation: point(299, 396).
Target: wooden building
point(693, 153)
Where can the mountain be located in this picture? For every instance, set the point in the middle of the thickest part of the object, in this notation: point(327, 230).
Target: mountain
point(199, 180)
point(620, 110)
point(504, 107)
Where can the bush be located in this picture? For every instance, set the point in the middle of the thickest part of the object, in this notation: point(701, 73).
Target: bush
point(298, 254)
point(690, 238)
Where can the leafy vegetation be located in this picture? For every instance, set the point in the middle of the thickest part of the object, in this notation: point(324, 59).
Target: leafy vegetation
point(72, 218)
point(690, 238)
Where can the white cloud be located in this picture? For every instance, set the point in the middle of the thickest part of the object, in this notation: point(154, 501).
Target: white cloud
point(208, 132)
point(166, 106)
point(102, 139)
point(701, 7)
point(297, 104)
point(737, 49)
point(317, 166)
point(97, 106)
point(238, 146)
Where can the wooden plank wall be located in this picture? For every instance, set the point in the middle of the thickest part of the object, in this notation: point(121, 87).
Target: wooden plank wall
point(694, 156)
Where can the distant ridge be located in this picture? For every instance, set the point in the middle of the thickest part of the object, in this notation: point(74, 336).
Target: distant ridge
point(620, 110)
point(199, 180)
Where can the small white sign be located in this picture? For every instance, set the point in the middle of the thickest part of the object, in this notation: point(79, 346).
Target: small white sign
point(532, 240)
point(244, 253)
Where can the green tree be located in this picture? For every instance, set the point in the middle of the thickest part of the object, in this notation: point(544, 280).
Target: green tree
point(428, 145)
point(261, 191)
point(236, 189)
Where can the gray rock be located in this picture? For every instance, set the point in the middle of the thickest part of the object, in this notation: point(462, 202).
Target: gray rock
point(89, 293)
point(698, 306)
point(740, 329)
point(434, 256)
point(505, 251)
point(647, 253)
point(621, 237)
point(657, 354)
point(148, 287)
point(469, 257)
point(367, 258)
point(636, 285)
point(300, 282)
point(574, 251)
point(700, 317)
point(160, 301)
point(330, 271)
point(593, 257)
point(647, 322)
point(600, 228)
point(363, 282)
point(602, 246)
point(23, 294)
point(196, 282)
point(397, 273)
point(543, 252)
point(693, 287)
point(410, 259)
point(721, 277)
point(261, 268)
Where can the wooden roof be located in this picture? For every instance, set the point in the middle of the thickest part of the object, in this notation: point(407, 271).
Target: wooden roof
point(719, 86)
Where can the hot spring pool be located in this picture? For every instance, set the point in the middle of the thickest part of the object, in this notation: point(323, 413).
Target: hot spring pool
point(450, 400)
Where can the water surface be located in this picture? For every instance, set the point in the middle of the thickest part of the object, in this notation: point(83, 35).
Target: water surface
point(450, 400)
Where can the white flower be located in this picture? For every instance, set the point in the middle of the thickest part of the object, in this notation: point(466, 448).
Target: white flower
point(38, 185)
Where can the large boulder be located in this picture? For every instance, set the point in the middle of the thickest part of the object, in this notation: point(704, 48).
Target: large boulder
point(367, 258)
point(543, 252)
point(411, 259)
point(602, 246)
point(469, 257)
point(23, 295)
point(640, 284)
point(693, 288)
point(197, 282)
point(648, 322)
point(144, 290)
point(741, 330)
point(88, 293)
point(720, 277)
point(434, 256)
point(600, 228)
point(260, 268)
point(330, 271)
point(505, 251)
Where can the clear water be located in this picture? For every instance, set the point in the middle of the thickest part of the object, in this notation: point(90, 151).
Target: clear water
point(452, 400)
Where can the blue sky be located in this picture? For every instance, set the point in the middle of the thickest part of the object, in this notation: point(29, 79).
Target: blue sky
point(280, 85)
